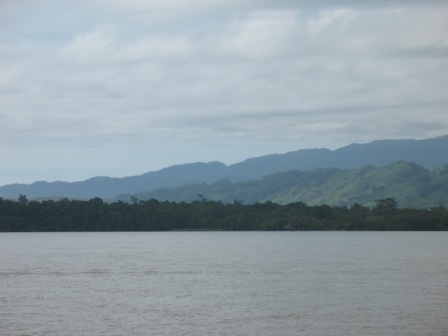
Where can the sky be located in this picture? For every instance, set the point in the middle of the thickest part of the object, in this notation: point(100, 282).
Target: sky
point(119, 88)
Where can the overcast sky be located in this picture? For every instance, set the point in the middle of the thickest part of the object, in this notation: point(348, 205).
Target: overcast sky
point(118, 88)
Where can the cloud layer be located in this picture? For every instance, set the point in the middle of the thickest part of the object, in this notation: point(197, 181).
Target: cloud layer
point(122, 87)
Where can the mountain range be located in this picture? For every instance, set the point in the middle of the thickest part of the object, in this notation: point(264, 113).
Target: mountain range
point(429, 154)
point(411, 185)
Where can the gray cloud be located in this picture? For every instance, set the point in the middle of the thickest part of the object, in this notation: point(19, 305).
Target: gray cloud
point(161, 79)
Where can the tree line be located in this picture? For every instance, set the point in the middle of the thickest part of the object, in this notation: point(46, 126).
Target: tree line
point(153, 215)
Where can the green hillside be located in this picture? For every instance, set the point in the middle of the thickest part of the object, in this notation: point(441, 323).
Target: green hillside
point(429, 153)
point(409, 184)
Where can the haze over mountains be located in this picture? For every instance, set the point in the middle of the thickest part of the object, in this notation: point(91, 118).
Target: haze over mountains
point(428, 153)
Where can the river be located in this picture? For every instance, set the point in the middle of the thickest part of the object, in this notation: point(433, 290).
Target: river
point(224, 283)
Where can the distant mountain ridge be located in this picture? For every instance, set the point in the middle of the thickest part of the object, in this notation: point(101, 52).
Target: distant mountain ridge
point(429, 153)
point(409, 184)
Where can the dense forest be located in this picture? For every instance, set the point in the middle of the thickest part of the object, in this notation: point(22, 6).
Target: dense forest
point(203, 214)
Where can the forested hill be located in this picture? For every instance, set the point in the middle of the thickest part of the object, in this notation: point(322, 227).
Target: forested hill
point(409, 184)
point(429, 153)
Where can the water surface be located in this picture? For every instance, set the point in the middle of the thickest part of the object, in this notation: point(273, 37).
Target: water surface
point(224, 283)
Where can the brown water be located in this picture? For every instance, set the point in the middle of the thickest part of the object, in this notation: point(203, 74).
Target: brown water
point(224, 283)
